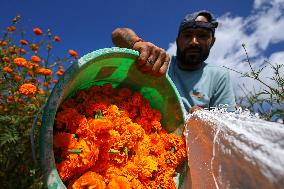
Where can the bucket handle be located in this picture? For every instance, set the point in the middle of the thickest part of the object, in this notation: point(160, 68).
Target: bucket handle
point(33, 131)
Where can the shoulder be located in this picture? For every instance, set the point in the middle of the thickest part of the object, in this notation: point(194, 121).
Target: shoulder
point(214, 67)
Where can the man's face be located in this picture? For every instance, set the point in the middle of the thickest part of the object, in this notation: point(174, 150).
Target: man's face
point(193, 47)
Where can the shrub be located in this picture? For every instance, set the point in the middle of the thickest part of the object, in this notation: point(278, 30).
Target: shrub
point(28, 71)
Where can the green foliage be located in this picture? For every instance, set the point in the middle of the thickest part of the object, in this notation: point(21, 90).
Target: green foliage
point(19, 107)
point(269, 101)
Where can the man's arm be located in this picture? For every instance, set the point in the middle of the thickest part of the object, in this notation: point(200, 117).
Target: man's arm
point(152, 59)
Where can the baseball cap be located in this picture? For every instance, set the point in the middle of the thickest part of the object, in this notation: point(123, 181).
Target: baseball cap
point(189, 21)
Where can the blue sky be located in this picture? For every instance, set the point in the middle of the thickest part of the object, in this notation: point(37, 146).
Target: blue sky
point(86, 25)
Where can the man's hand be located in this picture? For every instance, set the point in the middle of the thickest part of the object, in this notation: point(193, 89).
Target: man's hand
point(152, 60)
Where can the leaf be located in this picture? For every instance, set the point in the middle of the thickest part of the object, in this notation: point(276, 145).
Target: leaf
point(9, 135)
point(74, 151)
point(125, 149)
point(114, 151)
point(99, 114)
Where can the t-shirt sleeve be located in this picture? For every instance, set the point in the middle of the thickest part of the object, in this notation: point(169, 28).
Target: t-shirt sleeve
point(224, 94)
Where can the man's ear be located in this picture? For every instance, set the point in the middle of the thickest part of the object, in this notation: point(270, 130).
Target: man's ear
point(212, 42)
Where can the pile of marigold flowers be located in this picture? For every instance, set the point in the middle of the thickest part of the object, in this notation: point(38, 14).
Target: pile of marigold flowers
point(107, 137)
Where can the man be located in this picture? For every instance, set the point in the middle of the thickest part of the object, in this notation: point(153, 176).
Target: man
point(199, 84)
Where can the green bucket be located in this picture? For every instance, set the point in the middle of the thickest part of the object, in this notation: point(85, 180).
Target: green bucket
point(116, 66)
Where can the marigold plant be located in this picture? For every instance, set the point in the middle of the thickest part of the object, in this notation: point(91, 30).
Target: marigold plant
point(111, 138)
point(27, 75)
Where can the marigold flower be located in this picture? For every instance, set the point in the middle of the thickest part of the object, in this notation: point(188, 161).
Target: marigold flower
point(48, 47)
point(22, 51)
point(41, 91)
point(5, 59)
point(27, 89)
point(57, 39)
point(59, 73)
point(21, 62)
point(45, 84)
point(119, 182)
point(34, 47)
point(30, 73)
point(35, 58)
point(24, 42)
point(17, 77)
point(37, 31)
point(11, 28)
point(73, 53)
point(3, 43)
point(44, 71)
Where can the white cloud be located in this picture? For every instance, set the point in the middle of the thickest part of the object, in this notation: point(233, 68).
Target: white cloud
point(262, 28)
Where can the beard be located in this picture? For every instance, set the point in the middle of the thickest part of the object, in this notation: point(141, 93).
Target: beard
point(192, 59)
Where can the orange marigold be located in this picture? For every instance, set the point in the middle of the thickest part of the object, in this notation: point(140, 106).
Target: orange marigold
point(37, 31)
point(34, 47)
point(17, 77)
point(27, 89)
point(7, 69)
point(44, 71)
point(56, 38)
point(22, 51)
point(24, 42)
point(41, 91)
point(11, 28)
point(20, 62)
point(35, 58)
point(5, 59)
point(3, 43)
point(59, 73)
point(73, 53)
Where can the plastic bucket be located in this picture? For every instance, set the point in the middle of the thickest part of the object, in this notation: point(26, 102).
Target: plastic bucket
point(116, 66)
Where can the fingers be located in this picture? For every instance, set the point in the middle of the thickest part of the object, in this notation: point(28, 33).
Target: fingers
point(152, 59)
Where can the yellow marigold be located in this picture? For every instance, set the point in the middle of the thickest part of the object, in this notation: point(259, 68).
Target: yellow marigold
point(44, 71)
point(35, 58)
point(7, 69)
point(27, 89)
point(24, 42)
point(73, 53)
point(20, 62)
point(37, 31)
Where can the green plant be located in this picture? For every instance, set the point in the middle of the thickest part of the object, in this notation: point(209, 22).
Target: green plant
point(28, 71)
point(269, 101)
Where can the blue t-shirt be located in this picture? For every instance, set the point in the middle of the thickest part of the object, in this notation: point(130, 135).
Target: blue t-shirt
point(207, 87)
